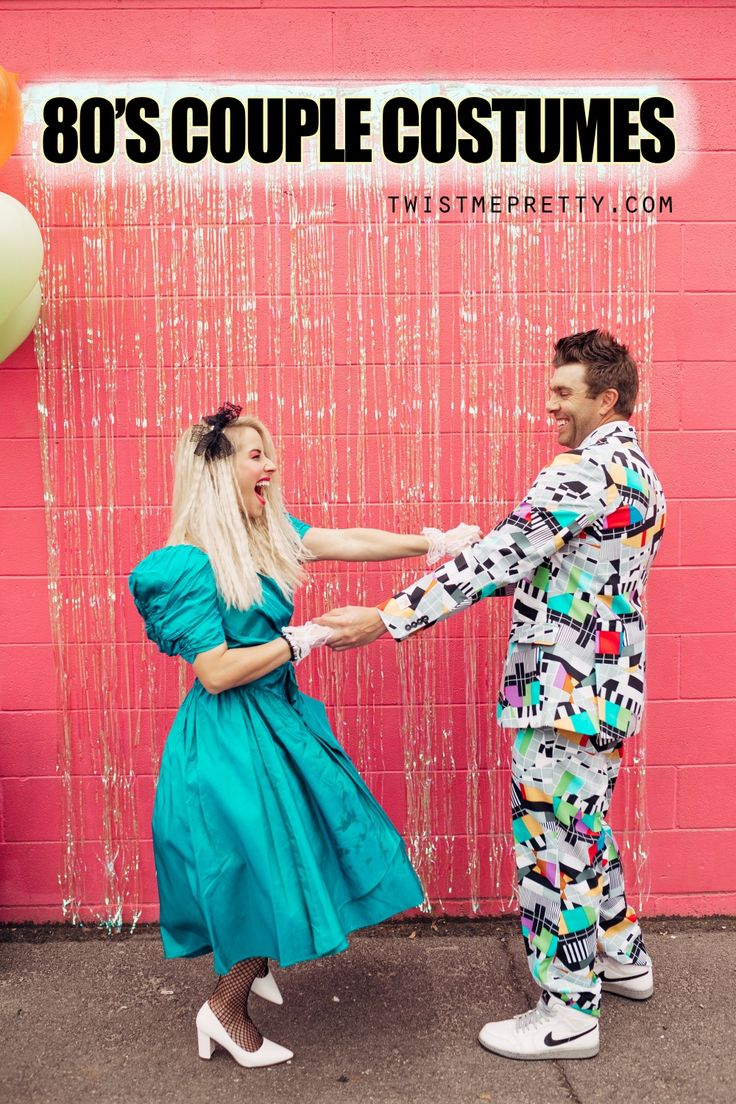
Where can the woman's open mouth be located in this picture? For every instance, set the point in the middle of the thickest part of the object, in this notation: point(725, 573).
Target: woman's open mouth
point(260, 491)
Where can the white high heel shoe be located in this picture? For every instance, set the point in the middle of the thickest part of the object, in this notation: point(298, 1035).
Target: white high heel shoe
point(210, 1032)
point(267, 989)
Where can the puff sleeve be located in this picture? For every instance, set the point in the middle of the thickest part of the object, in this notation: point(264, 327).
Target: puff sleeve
point(175, 593)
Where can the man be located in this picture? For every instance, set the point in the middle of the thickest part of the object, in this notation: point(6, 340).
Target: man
point(577, 551)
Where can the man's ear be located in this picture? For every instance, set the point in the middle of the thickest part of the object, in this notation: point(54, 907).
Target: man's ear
point(608, 398)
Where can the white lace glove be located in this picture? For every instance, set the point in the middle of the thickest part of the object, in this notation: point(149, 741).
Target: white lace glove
point(302, 638)
point(444, 546)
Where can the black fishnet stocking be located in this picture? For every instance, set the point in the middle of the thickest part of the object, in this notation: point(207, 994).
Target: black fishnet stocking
point(229, 1002)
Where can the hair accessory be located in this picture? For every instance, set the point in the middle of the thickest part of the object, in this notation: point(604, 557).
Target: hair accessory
point(213, 443)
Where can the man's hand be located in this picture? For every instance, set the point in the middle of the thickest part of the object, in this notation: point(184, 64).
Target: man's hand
point(352, 626)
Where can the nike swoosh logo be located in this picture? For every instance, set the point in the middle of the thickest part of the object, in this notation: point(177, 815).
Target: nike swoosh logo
point(629, 977)
point(549, 1041)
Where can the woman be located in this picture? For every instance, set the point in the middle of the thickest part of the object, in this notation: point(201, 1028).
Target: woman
point(267, 842)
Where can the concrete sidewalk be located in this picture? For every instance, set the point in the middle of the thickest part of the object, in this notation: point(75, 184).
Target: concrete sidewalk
point(91, 1018)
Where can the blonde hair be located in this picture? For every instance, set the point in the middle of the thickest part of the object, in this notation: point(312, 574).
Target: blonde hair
point(208, 511)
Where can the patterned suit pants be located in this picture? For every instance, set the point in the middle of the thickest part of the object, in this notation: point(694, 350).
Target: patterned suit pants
point(571, 889)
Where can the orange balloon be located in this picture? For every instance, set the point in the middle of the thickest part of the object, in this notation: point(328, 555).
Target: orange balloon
point(11, 114)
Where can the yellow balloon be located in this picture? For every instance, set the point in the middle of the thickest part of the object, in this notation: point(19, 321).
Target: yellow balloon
point(21, 254)
point(17, 326)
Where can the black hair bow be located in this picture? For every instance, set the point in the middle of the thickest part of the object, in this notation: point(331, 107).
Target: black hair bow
point(213, 443)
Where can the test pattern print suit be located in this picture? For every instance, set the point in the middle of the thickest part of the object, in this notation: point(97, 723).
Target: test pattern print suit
point(576, 553)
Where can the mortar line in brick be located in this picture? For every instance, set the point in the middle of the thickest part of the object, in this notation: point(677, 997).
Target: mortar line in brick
point(676, 810)
point(679, 668)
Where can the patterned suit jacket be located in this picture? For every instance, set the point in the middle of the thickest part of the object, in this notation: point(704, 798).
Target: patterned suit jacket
point(577, 552)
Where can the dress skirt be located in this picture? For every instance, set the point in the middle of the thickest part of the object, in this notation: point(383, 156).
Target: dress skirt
point(266, 839)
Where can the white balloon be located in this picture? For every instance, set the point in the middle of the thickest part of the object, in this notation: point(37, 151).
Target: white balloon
point(21, 254)
point(17, 326)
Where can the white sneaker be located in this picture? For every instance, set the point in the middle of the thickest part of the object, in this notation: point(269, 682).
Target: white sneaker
point(551, 1030)
point(624, 978)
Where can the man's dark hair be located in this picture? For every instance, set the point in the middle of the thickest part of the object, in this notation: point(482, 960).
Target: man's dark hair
point(607, 364)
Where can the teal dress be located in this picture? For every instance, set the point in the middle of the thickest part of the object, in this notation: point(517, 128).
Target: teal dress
point(267, 841)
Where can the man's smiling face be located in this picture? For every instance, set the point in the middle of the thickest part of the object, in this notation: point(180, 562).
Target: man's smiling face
point(576, 413)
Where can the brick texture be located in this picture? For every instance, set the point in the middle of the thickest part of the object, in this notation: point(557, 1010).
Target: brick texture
point(690, 750)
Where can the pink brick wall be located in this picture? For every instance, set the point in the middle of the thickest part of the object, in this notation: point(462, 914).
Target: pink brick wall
point(689, 51)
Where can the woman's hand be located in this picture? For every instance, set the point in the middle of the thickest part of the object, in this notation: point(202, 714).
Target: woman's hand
point(447, 545)
point(304, 638)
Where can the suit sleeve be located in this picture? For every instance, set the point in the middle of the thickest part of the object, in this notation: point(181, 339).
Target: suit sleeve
point(573, 493)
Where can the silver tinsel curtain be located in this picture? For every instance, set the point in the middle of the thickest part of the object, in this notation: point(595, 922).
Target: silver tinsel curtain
point(400, 359)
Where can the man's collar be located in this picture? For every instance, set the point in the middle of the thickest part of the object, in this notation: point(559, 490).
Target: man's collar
point(621, 429)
